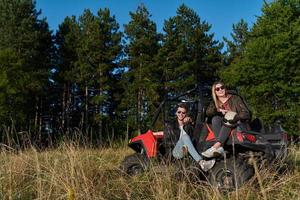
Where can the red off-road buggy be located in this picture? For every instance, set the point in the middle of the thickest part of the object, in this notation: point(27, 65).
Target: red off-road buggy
point(230, 171)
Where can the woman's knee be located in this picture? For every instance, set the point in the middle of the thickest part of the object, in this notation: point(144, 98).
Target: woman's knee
point(216, 120)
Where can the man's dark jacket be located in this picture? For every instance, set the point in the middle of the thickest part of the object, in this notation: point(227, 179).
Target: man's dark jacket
point(172, 133)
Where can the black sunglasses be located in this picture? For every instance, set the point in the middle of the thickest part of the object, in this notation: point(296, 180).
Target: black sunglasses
point(179, 112)
point(220, 88)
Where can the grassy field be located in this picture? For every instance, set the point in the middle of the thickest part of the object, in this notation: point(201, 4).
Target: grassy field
point(72, 172)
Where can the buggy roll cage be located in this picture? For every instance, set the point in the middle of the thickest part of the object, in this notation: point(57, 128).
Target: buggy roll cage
point(200, 106)
point(199, 90)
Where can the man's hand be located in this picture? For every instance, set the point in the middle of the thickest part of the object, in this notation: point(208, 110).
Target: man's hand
point(159, 133)
point(187, 120)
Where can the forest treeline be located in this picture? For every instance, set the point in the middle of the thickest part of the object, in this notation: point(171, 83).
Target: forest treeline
point(91, 76)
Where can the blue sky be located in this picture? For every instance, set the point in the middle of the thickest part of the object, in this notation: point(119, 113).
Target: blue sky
point(221, 14)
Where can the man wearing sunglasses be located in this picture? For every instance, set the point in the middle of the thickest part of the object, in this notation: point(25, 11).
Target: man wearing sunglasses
point(179, 133)
point(223, 105)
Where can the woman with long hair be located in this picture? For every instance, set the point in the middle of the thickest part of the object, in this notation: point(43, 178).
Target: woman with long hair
point(222, 104)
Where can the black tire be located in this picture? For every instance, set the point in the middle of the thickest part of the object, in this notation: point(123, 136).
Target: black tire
point(229, 174)
point(134, 164)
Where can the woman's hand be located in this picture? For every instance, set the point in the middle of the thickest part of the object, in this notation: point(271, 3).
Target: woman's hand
point(223, 111)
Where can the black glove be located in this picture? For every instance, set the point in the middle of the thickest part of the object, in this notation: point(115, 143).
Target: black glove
point(225, 120)
point(234, 120)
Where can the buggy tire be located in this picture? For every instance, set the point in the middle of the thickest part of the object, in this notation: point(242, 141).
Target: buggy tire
point(187, 170)
point(134, 164)
point(230, 174)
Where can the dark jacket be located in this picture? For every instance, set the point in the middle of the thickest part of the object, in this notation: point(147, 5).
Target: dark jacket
point(172, 132)
point(236, 104)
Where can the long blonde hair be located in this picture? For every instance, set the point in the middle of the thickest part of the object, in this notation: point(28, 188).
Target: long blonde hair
point(213, 93)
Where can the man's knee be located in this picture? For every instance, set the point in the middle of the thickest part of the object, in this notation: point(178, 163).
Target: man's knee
point(176, 154)
point(185, 137)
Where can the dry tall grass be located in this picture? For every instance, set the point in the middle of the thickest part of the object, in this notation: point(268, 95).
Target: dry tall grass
point(70, 172)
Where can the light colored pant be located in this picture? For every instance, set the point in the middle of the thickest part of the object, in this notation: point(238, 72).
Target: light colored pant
point(185, 140)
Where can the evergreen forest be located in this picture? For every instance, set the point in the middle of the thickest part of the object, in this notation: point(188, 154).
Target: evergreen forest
point(90, 79)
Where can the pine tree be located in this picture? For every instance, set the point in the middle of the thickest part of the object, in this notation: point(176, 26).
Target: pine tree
point(67, 43)
point(268, 72)
point(235, 48)
point(189, 54)
point(97, 53)
point(141, 48)
point(107, 41)
point(26, 51)
point(83, 70)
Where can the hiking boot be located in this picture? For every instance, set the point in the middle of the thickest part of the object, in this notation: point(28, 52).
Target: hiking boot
point(213, 152)
point(207, 164)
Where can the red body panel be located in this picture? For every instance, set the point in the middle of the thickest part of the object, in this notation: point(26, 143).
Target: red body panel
point(239, 135)
point(149, 142)
point(251, 138)
point(210, 135)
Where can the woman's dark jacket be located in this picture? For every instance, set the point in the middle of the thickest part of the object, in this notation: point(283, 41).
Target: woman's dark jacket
point(236, 104)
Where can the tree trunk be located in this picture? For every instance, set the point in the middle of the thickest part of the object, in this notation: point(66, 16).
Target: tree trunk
point(139, 110)
point(40, 116)
point(63, 109)
point(81, 123)
point(100, 123)
point(139, 100)
point(86, 107)
point(68, 105)
point(36, 118)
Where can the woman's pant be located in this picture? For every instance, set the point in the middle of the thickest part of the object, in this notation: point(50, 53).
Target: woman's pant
point(185, 141)
point(221, 132)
